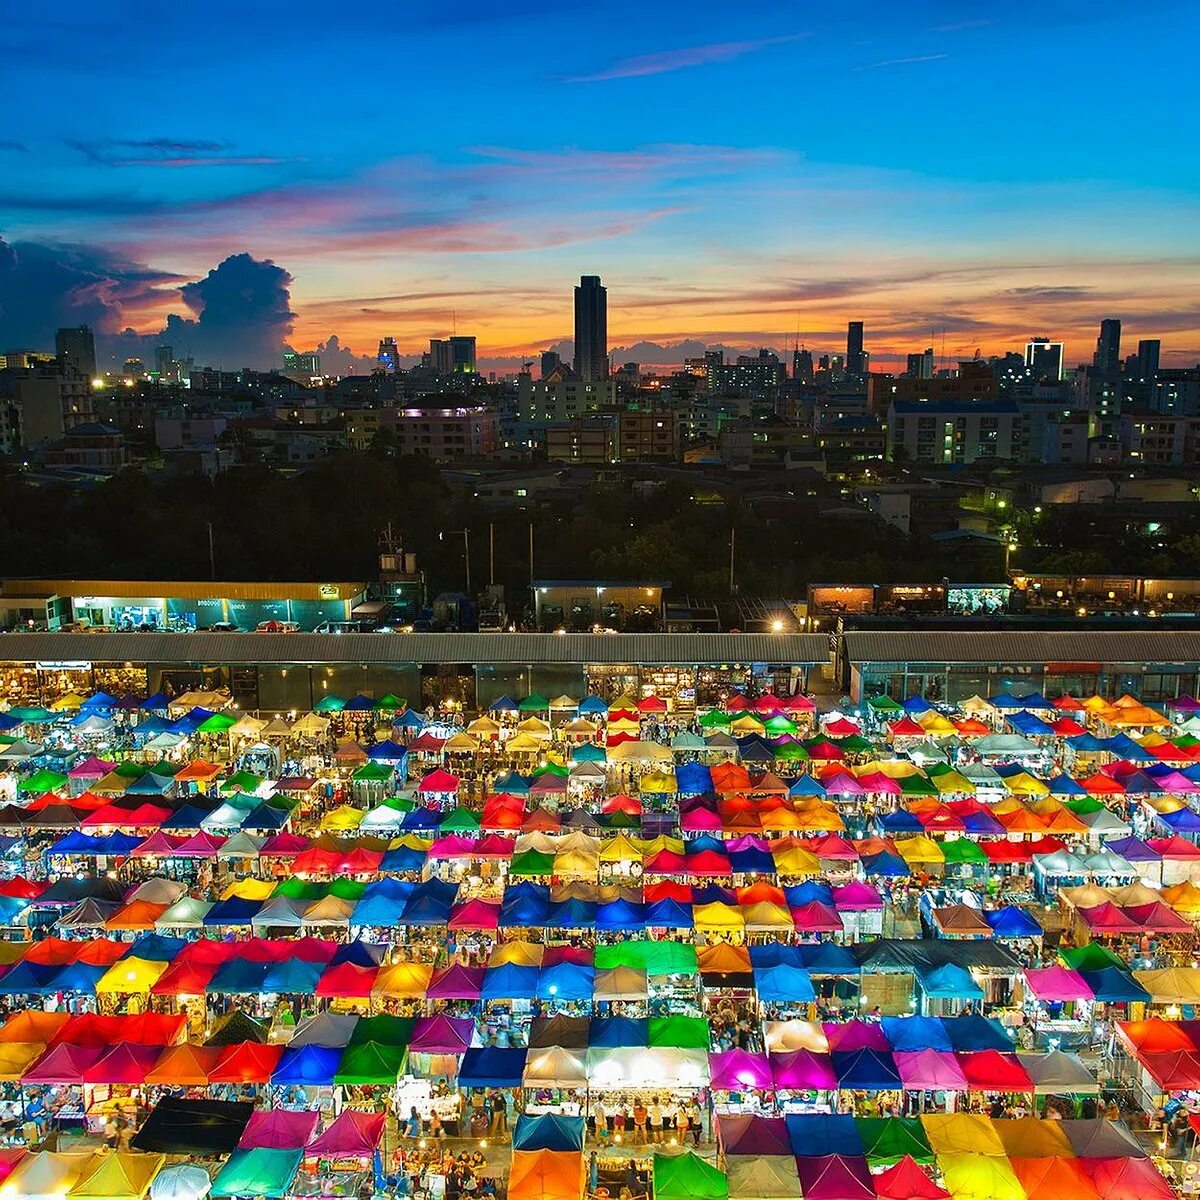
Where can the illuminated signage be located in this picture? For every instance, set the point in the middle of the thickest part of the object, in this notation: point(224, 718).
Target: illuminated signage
point(329, 591)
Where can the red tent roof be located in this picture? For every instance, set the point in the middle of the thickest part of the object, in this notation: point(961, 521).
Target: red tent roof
point(907, 1181)
point(991, 1071)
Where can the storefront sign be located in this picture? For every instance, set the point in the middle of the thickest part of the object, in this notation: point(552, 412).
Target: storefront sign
point(63, 666)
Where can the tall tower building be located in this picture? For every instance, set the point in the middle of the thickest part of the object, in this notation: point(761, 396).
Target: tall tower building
point(1148, 353)
point(802, 366)
point(462, 354)
point(1108, 347)
point(1044, 359)
point(388, 356)
point(75, 347)
point(591, 329)
point(855, 363)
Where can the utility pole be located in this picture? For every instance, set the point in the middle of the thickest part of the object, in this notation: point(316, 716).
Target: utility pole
point(212, 553)
point(732, 544)
point(467, 556)
point(491, 554)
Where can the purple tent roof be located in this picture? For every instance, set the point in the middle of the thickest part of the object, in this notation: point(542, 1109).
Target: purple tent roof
point(745, 1133)
point(930, 1071)
point(803, 1070)
point(835, 1177)
point(733, 1070)
point(278, 1129)
point(441, 1034)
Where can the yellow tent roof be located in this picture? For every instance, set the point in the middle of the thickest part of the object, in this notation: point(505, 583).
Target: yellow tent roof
point(535, 727)
point(483, 727)
point(961, 1133)
point(249, 889)
point(1183, 897)
point(129, 976)
point(765, 915)
point(659, 781)
point(977, 706)
point(402, 980)
point(936, 725)
point(47, 1174)
point(1171, 985)
point(17, 1057)
point(1029, 1137)
point(952, 781)
point(523, 954)
point(920, 849)
point(1138, 716)
point(1024, 784)
point(576, 864)
point(716, 915)
point(795, 860)
point(624, 703)
point(120, 1175)
point(979, 1177)
point(621, 848)
point(523, 743)
point(580, 725)
point(673, 845)
point(67, 703)
point(460, 743)
point(893, 768)
point(345, 816)
point(747, 724)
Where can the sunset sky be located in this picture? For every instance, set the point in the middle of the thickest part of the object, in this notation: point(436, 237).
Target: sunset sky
point(737, 174)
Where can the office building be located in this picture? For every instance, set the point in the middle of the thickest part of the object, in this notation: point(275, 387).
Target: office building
point(462, 355)
point(446, 433)
point(551, 361)
point(952, 431)
point(164, 364)
point(920, 366)
point(388, 357)
point(802, 366)
point(1044, 359)
point(591, 329)
point(1176, 390)
point(855, 361)
point(1149, 351)
point(1107, 359)
point(76, 347)
point(561, 399)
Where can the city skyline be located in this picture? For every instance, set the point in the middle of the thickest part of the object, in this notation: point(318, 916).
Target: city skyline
point(735, 183)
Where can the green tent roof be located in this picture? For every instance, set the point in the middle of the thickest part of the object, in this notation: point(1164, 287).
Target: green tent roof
point(1092, 957)
point(715, 719)
point(371, 1063)
point(534, 703)
point(854, 744)
point(532, 862)
point(588, 752)
point(1082, 805)
point(384, 1030)
point(162, 767)
point(688, 1177)
point(373, 772)
point(217, 723)
point(653, 957)
point(132, 770)
point(329, 704)
point(258, 1172)
point(29, 714)
point(348, 889)
point(791, 752)
point(295, 888)
point(884, 704)
point(243, 781)
point(917, 785)
point(681, 1033)
point(781, 724)
point(889, 1139)
point(42, 781)
point(551, 768)
point(962, 850)
point(461, 820)
point(391, 700)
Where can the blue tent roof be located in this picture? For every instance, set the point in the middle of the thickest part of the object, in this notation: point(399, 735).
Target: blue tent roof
point(887, 865)
point(422, 908)
point(78, 977)
point(1085, 743)
point(513, 784)
point(266, 817)
point(592, 705)
point(408, 720)
point(814, 1135)
point(234, 911)
point(548, 1132)
point(387, 751)
point(693, 779)
point(1182, 820)
point(916, 705)
point(669, 914)
point(866, 1070)
point(1114, 986)
point(973, 1032)
point(570, 914)
point(612, 1032)
point(1013, 922)
point(7, 722)
point(620, 914)
point(149, 785)
point(382, 902)
point(308, 1066)
point(799, 894)
point(520, 908)
point(155, 947)
point(359, 954)
point(783, 984)
point(359, 703)
point(1064, 785)
point(806, 785)
point(827, 958)
point(915, 1033)
point(293, 976)
point(28, 979)
point(421, 818)
point(566, 981)
point(239, 976)
point(981, 823)
point(509, 982)
point(1123, 746)
point(950, 982)
point(901, 820)
point(752, 860)
point(98, 702)
point(492, 1066)
point(506, 704)
point(1029, 725)
point(160, 700)
point(773, 954)
point(187, 817)
point(1132, 849)
point(403, 859)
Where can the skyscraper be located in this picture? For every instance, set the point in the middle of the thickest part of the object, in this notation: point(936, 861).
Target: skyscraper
point(1044, 359)
point(920, 366)
point(75, 347)
point(591, 329)
point(388, 356)
point(855, 363)
point(1148, 352)
point(462, 354)
point(802, 366)
point(1108, 347)
point(551, 361)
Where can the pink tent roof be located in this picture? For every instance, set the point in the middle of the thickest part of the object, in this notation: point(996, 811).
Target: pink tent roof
point(453, 845)
point(126, 1063)
point(1157, 917)
point(734, 1070)
point(841, 784)
point(441, 1034)
point(857, 896)
point(879, 783)
point(439, 782)
point(930, 1071)
point(474, 914)
point(701, 818)
point(1174, 847)
point(200, 845)
point(352, 1135)
point(855, 1035)
point(278, 1129)
point(63, 1064)
point(1108, 918)
point(803, 1070)
point(815, 917)
point(91, 768)
point(1057, 983)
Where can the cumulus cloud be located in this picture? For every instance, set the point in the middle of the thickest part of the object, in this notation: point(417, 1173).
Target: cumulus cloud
point(243, 314)
point(43, 287)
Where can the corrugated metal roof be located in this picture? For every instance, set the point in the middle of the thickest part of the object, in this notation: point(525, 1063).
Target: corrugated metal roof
point(1023, 646)
point(238, 648)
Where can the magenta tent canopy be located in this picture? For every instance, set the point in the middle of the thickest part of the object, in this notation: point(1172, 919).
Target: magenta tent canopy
point(475, 914)
point(352, 1135)
point(453, 845)
point(857, 897)
point(456, 983)
point(815, 917)
point(746, 1133)
point(278, 1129)
point(930, 1071)
point(1057, 983)
point(64, 1064)
point(701, 819)
point(803, 1070)
point(735, 1070)
point(441, 1034)
point(856, 1035)
point(842, 784)
point(835, 1177)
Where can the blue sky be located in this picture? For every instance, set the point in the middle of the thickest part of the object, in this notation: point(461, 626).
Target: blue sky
point(736, 173)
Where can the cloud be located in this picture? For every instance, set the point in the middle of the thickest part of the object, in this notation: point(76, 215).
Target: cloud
point(13, 147)
point(43, 287)
point(902, 62)
point(958, 26)
point(166, 152)
point(660, 62)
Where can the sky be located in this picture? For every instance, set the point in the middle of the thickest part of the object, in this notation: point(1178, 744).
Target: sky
point(962, 175)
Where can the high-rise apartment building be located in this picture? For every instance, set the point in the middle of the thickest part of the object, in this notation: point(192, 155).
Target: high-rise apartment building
point(856, 364)
point(1044, 359)
point(76, 347)
point(1107, 359)
point(591, 329)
